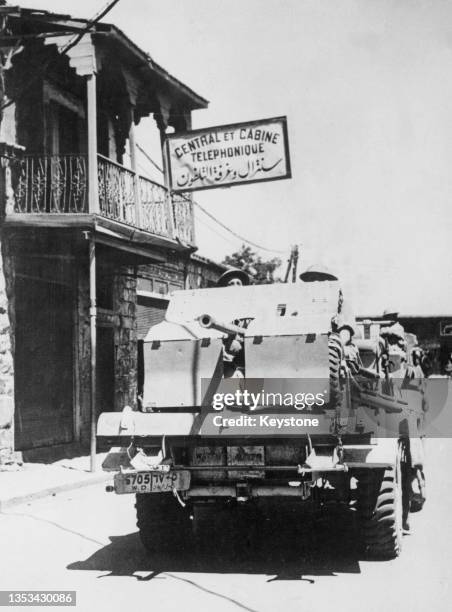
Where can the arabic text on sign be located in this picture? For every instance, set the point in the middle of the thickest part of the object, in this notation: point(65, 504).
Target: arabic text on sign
point(222, 173)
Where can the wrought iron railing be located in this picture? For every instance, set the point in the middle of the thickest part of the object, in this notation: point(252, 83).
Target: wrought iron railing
point(154, 207)
point(116, 190)
point(149, 208)
point(51, 184)
point(184, 226)
point(59, 184)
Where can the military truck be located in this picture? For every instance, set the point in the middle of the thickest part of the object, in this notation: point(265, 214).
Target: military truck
point(353, 438)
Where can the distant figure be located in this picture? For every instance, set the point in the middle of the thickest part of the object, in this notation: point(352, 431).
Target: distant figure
point(394, 359)
point(233, 278)
point(427, 363)
point(417, 359)
point(390, 314)
point(447, 369)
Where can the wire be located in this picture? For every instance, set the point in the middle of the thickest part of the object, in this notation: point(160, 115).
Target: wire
point(92, 22)
point(199, 220)
point(228, 229)
point(149, 158)
point(143, 169)
point(254, 244)
point(69, 46)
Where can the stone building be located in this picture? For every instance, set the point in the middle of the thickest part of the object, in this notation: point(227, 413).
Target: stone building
point(89, 247)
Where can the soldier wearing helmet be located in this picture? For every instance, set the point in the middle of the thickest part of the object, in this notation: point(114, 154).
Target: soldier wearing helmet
point(233, 277)
point(343, 322)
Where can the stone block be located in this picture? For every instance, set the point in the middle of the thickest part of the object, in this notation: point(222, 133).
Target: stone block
point(6, 411)
point(126, 322)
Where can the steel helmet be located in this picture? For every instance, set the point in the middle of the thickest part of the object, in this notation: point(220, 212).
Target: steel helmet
point(317, 272)
point(233, 273)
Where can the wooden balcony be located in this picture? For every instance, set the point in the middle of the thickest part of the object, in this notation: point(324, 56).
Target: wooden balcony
point(58, 185)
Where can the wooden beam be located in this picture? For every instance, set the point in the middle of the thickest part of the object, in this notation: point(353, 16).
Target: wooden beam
point(142, 253)
point(60, 220)
point(131, 235)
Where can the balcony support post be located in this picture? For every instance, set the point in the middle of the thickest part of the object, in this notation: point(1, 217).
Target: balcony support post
point(162, 119)
point(93, 342)
point(168, 195)
point(82, 57)
point(134, 167)
point(93, 193)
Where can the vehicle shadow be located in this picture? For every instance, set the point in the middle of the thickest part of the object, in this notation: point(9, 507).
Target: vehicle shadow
point(283, 545)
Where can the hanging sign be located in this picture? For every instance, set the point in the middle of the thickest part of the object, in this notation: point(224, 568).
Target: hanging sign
point(228, 155)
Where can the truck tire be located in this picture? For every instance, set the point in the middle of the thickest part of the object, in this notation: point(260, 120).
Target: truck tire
point(335, 356)
point(163, 524)
point(418, 491)
point(381, 512)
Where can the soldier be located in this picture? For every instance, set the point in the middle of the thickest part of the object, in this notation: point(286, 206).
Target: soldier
point(391, 314)
point(418, 359)
point(448, 366)
point(343, 323)
point(233, 345)
point(233, 277)
point(395, 358)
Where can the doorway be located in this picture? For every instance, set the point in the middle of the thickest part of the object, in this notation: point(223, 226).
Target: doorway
point(43, 363)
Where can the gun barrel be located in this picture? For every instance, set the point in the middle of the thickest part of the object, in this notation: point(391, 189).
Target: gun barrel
point(209, 322)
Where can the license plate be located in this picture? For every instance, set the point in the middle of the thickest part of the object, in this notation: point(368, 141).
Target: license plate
point(152, 482)
point(246, 455)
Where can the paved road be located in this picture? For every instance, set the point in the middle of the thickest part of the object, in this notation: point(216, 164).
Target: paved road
point(87, 540)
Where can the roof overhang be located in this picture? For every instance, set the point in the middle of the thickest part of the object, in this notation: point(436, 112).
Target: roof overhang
point(46, 22)
point(130, 243)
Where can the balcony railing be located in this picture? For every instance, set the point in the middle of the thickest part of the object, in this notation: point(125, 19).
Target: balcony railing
point(51, 184)
point(59, 184)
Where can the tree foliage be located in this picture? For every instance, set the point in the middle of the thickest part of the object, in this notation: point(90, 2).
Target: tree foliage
point(261, 271)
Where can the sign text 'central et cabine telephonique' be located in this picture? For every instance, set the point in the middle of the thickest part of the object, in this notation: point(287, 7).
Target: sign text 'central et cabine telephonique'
point(228, 155)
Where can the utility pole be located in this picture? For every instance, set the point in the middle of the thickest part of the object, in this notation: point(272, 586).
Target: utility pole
point(295, 263)
point(292, 264)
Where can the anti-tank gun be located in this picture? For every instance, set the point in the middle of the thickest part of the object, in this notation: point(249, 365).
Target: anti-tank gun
point(233, 358)
point(208, 322)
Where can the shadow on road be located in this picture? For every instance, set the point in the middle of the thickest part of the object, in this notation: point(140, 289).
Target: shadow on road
point(283, 545)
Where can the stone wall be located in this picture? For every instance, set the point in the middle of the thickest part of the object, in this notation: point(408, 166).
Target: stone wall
point(83, 354)
point(121, 318)
point(6, 364)
point(6, 321)
point(203, 273)
point(125, 301)
point(170, 273)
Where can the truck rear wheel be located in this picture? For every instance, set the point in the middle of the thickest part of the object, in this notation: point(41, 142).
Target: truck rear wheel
point(163, 524)
point(335, 355)
point(381, 512)
point(418, 490)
